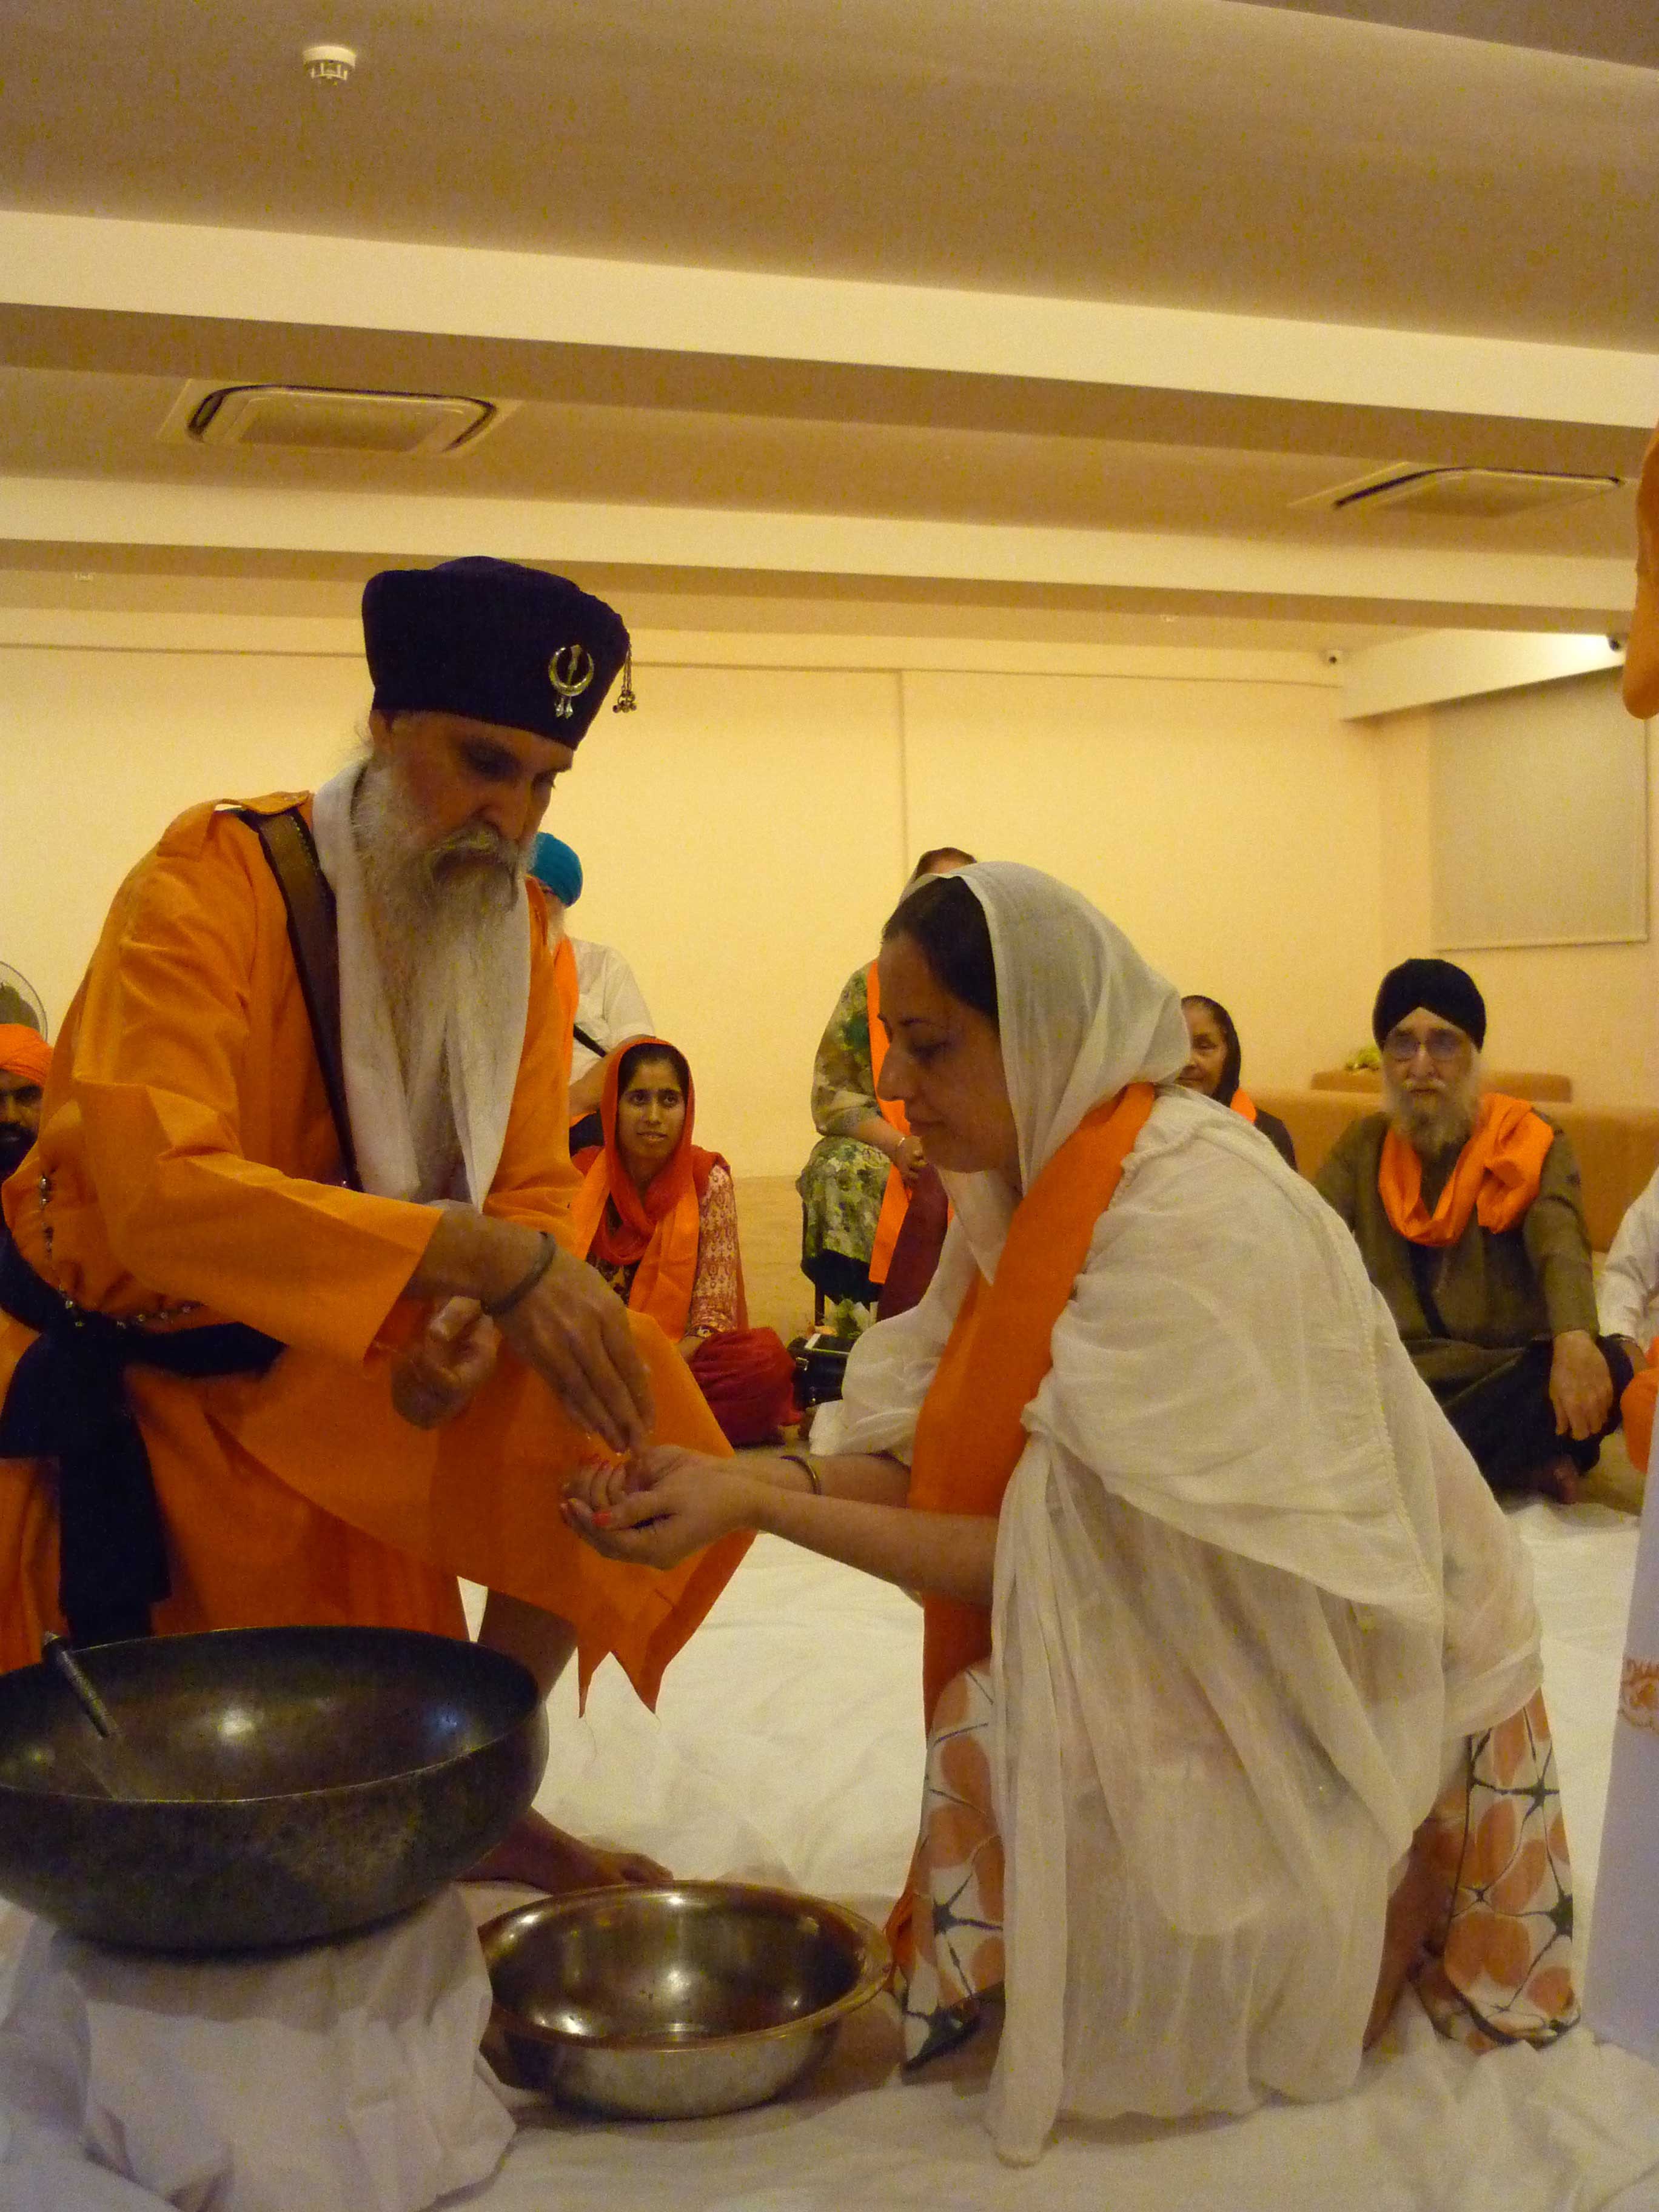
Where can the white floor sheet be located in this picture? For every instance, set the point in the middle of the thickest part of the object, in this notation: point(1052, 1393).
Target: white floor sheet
point(788, 1747)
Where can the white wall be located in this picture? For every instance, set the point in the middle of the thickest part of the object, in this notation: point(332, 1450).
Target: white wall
point(1588, 1011)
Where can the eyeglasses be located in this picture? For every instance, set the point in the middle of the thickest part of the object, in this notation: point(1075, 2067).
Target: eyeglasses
point(1444, 1047)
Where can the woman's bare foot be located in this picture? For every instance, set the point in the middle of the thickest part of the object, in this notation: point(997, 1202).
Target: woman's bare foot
point(541, 1856)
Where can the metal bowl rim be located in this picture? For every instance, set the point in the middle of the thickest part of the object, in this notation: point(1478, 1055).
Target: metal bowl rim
point(875, 1967)
point(16, 1792)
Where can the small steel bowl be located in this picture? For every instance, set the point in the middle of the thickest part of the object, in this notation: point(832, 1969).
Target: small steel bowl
point(676, 2002)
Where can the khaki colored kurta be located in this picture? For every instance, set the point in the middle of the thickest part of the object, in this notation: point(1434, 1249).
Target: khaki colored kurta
point(190, 1157)
point(1496, 1292)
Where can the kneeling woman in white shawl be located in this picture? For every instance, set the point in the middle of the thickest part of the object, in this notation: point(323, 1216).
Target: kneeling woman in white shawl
point(1231, 1661)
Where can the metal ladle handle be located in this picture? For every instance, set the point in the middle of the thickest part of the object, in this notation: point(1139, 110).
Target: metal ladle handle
point(58, 1655)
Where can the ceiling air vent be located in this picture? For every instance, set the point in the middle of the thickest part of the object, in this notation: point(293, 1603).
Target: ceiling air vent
point(299, 418)
point(1479, 495)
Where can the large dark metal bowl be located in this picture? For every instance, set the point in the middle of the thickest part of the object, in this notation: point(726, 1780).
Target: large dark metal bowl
point(297, 1782)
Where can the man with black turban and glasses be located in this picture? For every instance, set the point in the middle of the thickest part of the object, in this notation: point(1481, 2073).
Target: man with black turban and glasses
point(1466, 1205)
point(289, 1327)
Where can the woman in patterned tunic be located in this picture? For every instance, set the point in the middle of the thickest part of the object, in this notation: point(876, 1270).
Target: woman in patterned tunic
point(864, 1147)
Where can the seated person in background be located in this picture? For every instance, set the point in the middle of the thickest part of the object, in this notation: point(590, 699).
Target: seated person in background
point(1625, 1299)
point(657, 1216)
point(1467, 1209)
point(24, 1057)
point(1216, 1708)
point(603, 1003)
point(1214, 1060)
point(856, 1185)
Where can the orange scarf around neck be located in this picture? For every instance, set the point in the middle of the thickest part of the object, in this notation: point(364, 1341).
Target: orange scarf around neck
point(659, 1229)
point(895, 1197)
point(1241, 1102)
point(970, 1435)
point(1496, 1177)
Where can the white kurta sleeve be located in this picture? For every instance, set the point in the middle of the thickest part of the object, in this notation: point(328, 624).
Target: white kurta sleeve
point(1630, 1281)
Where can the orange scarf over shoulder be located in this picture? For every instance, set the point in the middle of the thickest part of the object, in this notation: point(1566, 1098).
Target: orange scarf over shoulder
point(970, 1435)
point(568, 988)
point(1241, 1102)
point(1496, 1177)
point(660, 1230)
point(896, 1199)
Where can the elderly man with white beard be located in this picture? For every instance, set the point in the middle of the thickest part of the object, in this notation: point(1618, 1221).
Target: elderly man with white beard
point(289, 1332)
point(1466, 1205)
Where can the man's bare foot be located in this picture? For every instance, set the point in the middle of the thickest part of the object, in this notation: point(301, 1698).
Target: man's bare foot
point(1556, 1478)
point(541, 1856)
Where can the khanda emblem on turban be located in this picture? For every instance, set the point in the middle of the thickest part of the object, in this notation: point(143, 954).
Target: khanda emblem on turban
point(570, 672)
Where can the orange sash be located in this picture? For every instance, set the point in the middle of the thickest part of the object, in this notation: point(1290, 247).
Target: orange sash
point(1496, 1177)
point(668, 1219)
point(569, 991)
point(1635, 1410)
point(1241, 1102)
point(896, 1199)
point(970, 1435)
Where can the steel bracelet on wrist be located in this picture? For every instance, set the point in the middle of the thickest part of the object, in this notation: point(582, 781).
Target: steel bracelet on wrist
point(538, 1266)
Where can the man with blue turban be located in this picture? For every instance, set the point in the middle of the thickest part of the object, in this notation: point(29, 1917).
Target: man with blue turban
point(606, 1006)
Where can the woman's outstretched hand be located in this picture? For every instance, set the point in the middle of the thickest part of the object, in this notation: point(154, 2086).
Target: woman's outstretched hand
point(659, 1505)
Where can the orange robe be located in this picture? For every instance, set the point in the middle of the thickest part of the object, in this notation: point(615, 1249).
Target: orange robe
point(190, 1156)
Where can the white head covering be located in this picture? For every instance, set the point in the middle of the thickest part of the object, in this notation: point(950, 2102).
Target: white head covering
point(1248, 1584)
point(1080, 1015)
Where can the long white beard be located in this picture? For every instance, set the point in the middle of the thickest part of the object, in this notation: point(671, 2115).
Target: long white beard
point(441, 931)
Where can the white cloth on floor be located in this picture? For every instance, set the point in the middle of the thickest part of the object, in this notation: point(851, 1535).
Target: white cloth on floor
point(1249, 1584)
point(344, 2077)
point(1622, 1983)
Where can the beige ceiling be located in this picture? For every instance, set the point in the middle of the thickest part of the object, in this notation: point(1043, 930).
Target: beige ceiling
point(1496, 190)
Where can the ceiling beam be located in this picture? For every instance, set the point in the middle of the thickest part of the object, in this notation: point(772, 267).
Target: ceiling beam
point(86, 263)
point(55, 511)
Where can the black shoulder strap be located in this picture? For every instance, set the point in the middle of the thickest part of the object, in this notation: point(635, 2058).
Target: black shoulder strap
point(588, 1043)
point(288, 845)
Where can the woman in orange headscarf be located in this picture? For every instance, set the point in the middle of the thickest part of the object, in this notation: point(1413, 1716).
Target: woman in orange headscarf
point(657, 1216)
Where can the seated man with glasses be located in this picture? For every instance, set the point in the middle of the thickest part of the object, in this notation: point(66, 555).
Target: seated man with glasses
point(1465, 1206)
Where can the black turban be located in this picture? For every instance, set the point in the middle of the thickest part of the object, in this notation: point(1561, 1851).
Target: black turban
point(1444, 989)
point(492, 641)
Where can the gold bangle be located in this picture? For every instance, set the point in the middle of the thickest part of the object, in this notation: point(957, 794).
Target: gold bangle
point(800, 1460)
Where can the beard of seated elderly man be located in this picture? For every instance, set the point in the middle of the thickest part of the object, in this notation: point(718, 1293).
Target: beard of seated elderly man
point(1466, 1205)
point(1436, 1119)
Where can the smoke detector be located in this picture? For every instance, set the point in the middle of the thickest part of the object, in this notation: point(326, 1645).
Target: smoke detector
point(328, 65)
point(316, 418)
point(1467, 494)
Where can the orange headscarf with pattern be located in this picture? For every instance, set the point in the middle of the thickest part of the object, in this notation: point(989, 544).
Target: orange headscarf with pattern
point(658, 1228)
